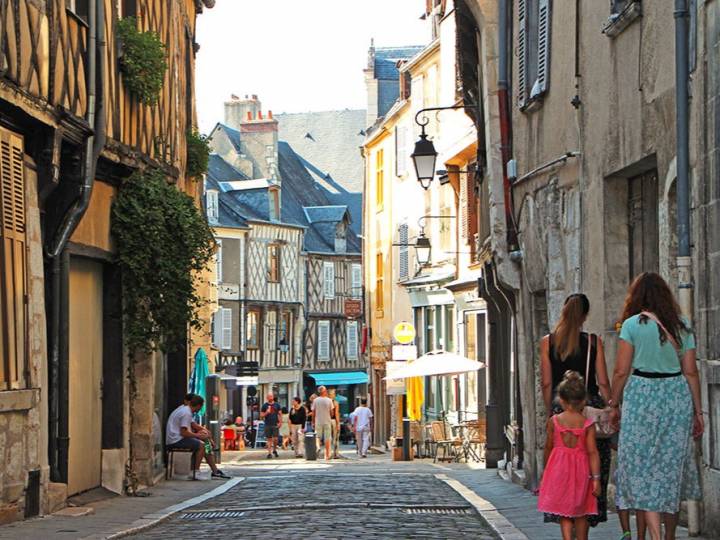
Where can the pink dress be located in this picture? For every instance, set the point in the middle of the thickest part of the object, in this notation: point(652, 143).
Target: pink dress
point(566, 488)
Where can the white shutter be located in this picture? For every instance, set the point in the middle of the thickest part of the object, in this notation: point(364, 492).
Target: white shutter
point(218, 262)
point(522, 53)
point(217, 329)
point(211, 197)
point(323, 350)
point(329, 280)
point(351, 331)
point(403, 251)
point(226, 328)
point(400, 150)
point(356, 280)
point(543, 61)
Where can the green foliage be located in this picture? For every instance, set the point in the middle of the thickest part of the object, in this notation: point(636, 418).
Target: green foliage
point(143, 61)
point(198, 154)
point(163, 244)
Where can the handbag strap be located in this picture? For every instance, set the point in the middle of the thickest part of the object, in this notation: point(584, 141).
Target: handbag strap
point(587, 364)
point(668, 335)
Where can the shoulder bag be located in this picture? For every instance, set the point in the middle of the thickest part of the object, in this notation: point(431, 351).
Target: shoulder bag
point(600, 417)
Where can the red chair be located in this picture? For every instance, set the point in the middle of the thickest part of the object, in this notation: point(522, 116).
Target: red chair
point(230, 439)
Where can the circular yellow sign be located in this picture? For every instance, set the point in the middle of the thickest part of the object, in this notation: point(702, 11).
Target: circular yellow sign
point(404, 333)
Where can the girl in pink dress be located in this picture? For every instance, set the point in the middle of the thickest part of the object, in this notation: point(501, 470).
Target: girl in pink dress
point(571, 481)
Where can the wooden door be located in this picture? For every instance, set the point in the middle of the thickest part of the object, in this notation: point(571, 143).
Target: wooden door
point(85, 358)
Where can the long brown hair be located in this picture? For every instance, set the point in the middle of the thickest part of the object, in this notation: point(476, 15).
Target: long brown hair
point(650, 292)
point(567, 330)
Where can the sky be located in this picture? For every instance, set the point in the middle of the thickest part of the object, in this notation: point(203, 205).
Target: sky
point(296, 55)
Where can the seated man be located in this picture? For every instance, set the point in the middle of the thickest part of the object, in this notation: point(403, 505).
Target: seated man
point(182, 432)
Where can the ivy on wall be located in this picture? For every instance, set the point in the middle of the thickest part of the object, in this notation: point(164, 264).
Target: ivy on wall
point(163, 244)
point(198, 154)
point(142, 61)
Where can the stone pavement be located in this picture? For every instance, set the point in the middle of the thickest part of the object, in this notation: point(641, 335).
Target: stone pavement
point(370, 498)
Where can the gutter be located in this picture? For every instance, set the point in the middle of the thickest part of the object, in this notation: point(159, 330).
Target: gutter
point(59, 261)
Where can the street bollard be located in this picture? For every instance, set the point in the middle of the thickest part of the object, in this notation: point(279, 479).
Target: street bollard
point(406, 441)
point(310, 447)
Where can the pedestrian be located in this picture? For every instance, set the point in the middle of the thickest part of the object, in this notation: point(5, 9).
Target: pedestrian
point(657, 377)
point(566, 348)
point(322, 419)
point(362, 426)
point(297, 417)
point(284, 428)
point(270, 414)
point(335, 415)
point(241, 429)
point(571, 479)
point(310, 414)
point(182, 432)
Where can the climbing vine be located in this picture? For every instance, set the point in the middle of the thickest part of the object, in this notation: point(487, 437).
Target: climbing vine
point(198, 154)
point(163, 244)
point(143, 61)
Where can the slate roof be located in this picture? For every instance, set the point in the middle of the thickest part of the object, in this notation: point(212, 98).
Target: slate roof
point(323, 214)
point(386, 59)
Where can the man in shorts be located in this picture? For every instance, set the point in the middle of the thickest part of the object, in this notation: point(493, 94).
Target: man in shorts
point(322, 409)
point(270, 413)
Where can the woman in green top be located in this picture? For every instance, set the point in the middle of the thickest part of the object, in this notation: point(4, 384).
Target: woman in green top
point(661, 406)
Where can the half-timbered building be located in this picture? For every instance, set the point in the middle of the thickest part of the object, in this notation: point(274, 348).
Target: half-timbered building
point(75, 413)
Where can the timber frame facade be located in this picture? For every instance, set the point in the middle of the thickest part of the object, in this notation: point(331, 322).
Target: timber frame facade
point(75, 412)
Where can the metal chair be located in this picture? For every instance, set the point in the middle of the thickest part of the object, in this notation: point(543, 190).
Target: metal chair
point(448, 446)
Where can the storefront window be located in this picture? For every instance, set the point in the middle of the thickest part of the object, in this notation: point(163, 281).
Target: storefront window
point(280, 391)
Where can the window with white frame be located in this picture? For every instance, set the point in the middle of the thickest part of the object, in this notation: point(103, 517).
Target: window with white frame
point(323, 347)
point(211, 201)
point(218, 262)
point(533, 50)
point(356, 280)
point(328, 280)
point(351, 340)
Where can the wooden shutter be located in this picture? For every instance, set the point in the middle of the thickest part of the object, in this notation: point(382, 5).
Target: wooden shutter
point(400, 150)
point(351, 330)
point(13, 318)
point(323, 340)
point(211, 197)
point(217, 329)
point(356, 280)
point(543, 62)
point(403, 254)
point(226, 328)
point(522, 53)
point(328, 280)
point(218, 259)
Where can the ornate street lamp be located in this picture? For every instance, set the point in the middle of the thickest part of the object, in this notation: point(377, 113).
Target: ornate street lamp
point(423, 249)
point(425, 155)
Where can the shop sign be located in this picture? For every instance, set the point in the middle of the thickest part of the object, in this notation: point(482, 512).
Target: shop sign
point(247, 381)
point(353, 308)
point(404, 352)
point(394, 387)
point(404, 333)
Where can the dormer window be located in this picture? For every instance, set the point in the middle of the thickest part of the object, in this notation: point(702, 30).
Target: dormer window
point(341, 237)
point(211, 201)
point(274, 202)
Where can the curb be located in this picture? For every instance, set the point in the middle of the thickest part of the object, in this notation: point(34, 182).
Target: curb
point(150, 520)
point(489, 514)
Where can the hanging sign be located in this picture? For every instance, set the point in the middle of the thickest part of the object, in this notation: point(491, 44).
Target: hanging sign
point(404, 352)
point(394, 387)
point(404, 333)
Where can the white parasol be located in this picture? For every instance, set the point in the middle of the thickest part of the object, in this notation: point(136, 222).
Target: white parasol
point(436, 363)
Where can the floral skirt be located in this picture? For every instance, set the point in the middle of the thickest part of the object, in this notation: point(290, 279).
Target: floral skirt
point(656, 468)
point(605, 451)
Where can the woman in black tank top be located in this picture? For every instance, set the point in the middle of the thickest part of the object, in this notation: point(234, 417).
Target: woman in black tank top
point(566, 349)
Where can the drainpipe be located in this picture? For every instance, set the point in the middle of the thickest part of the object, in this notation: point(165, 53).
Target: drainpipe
point(59, 295)
point(505, 120)
point(684, 261)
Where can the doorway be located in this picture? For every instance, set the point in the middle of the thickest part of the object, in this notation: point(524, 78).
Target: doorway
point(85, 375)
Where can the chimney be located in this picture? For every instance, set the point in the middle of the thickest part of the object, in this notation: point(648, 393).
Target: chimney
point(240, 111)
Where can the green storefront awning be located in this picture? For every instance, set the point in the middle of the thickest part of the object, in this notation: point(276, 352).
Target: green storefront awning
point(343, 377)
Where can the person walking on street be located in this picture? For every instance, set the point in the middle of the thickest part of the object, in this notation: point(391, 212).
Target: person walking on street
point(362, 426)
point(566, 348)
point(298, 417)
point(322, 419)
point(284, 428)
point(657, 377)
point(270, 414)
point(571, 479)
point(182, 432)
point(335, 414)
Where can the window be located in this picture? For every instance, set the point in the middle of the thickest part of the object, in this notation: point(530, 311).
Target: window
point(401, 156)
point(211, 199)
point(222, 328)
point(379, 179)
point(356, 280)
point(274, 200)
point(351, 330)
point(446, 228)
point(251, 329)
point(79, 8)
point(274, 263)
point(403, 253)
point(218, 262)
point(129, 8)
point(323, 350)
point(13, 288)
point(643, 222)
point(379, 275)
point(328, 280)
point(533, 50)
point(284, 328)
